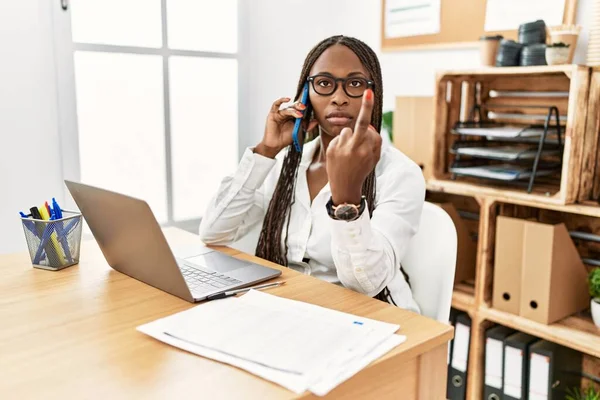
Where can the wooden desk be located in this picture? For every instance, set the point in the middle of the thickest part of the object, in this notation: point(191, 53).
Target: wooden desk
point(71, 334)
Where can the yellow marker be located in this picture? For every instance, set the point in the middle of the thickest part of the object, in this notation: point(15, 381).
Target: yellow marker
point(44, 213)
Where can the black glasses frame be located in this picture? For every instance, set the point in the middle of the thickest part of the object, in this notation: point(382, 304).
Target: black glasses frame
point(311, 79)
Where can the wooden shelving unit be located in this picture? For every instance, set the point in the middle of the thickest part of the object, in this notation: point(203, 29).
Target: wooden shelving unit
point(576, 332)
point(463, 298)
point(572, 199)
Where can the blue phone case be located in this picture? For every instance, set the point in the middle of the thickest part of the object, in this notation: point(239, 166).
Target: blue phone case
point(304, 100)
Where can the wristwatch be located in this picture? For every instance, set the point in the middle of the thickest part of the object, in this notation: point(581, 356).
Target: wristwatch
point(345, 211)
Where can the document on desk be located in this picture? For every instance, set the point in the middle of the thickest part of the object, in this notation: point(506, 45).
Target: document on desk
point(297, 345)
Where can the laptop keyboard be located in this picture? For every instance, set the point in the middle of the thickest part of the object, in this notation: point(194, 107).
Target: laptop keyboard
point(203, 281)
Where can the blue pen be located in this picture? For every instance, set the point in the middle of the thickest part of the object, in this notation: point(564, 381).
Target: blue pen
point(303, 101)
point(57, 209)
point(30, 225)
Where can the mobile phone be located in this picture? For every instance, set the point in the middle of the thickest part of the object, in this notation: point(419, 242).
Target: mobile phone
point(297, 124)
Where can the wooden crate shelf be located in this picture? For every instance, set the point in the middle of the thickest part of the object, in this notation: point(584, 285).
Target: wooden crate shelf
point(577, 332)
point(510, 93)
point(591, 209)
point(567, 69)
point(463, 301)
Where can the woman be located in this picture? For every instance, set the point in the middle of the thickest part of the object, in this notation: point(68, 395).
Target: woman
point(311, 203)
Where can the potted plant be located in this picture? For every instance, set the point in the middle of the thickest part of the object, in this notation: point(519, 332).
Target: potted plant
point(557, 53)
point(585, 394)
point(594, 282)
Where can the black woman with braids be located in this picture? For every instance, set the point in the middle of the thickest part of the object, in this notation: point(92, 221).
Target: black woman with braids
point(342, 209)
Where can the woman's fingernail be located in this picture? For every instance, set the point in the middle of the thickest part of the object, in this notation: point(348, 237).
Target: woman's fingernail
point(302, 106)
point(369, 94)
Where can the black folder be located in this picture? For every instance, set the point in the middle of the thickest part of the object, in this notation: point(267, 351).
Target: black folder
point(494, 361)
point(552, 370)
point(457, 376)
point(516, 365)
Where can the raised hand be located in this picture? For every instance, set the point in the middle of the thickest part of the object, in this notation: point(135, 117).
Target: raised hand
point(279, 127)
point(352, 156)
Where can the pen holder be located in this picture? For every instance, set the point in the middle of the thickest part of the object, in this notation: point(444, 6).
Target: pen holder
point(54, 244)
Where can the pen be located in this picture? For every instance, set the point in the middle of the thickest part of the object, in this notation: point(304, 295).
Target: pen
point(29, 224)
point(230, 293)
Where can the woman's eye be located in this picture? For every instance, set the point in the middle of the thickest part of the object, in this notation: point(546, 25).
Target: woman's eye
point(324, 83)
point(356, 83)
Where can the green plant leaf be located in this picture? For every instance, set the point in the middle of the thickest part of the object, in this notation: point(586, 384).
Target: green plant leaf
point(387, 122)
point(594, 283)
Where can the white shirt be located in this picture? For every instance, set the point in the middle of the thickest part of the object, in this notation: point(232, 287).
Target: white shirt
point(363, 255)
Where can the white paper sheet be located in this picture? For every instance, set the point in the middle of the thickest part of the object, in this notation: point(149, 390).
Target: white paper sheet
point(411, 17)
point(365, 340)
point(502, 15)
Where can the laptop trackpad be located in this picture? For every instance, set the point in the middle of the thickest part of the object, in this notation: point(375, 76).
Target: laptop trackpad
point(217, 262)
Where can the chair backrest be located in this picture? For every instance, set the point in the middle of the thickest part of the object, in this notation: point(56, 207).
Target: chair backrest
point(430, 263)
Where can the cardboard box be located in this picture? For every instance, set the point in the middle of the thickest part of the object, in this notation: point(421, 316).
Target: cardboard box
point(413, 130)
point(554, 277)
point(538, 273)
point(508, 264)
point(466, 255)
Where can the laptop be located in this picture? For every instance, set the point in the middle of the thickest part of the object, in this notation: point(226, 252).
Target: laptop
point(133, 243)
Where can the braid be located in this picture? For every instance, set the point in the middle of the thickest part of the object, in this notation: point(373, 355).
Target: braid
point(270, 244)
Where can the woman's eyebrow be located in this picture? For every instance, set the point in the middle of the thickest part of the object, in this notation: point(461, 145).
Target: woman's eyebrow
point(353, 73)
point(356, 73)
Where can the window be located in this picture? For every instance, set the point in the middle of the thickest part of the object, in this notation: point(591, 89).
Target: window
point(156, 87)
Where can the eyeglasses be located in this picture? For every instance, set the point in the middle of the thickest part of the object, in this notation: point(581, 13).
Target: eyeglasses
point(326, 85)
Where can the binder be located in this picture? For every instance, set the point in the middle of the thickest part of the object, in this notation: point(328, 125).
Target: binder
point(516, 365)
point(508, 264)
point(552, 370)
point(453, 314)
point(551, 260)
point(457, 377)
point(494, 361)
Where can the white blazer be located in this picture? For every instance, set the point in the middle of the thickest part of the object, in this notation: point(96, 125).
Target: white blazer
point(362, 255)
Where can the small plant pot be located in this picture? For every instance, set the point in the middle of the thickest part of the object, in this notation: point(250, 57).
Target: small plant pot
point(557, 55)
point(595, 305)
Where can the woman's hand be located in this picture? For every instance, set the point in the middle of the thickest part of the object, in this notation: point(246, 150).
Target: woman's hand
point(280, 126)
point(352, 156)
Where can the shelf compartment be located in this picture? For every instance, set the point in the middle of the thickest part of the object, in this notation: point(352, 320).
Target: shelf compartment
point(457, 92)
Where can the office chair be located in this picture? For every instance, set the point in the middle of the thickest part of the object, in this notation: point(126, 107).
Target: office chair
point(430, 263)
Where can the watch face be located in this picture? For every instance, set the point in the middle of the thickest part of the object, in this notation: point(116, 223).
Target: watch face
point(346, 212)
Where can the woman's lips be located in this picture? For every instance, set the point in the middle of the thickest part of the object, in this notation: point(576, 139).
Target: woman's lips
point(342, 121)
point(339, 118)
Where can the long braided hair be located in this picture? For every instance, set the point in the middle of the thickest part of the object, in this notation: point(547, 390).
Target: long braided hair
point(270, 244)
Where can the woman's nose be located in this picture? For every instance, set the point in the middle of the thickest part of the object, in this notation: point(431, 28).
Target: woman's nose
point(339, 97)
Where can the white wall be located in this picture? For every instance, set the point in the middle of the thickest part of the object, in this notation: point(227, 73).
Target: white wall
point(30, 168)
point(277, 35)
